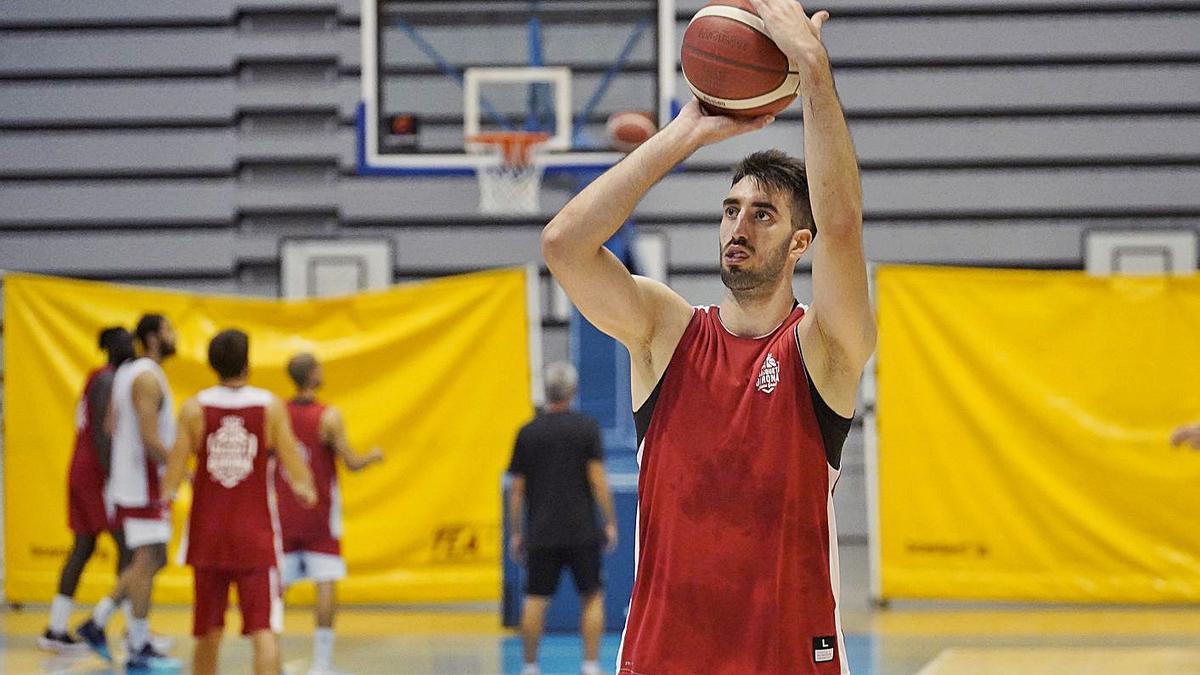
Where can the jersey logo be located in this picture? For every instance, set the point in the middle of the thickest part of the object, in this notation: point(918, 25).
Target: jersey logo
point(768, 377)
point(231, 452)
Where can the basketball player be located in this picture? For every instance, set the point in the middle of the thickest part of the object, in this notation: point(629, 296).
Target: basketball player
point(312, 537)
point(86, 512)
point(557, 469)
point(233, 534)
point(143, 432)
point(741, 408)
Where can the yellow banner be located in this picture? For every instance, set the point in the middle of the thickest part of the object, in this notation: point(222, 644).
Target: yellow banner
point(436, 374)
point(1024, 419)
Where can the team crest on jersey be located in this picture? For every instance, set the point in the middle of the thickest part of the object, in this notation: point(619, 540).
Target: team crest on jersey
point(768, 377)
point(231, 452)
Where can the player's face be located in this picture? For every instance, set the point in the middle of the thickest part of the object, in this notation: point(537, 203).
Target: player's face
point(166, 338)
point(756, 236)
point(317, 377)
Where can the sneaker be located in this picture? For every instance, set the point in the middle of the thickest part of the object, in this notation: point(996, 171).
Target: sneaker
point(150, 660)
point(161, 643)
point(93, 635)
point(59, 643)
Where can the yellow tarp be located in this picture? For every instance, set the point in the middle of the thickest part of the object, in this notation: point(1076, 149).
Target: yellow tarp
point(436, 374)
point(1024, 419)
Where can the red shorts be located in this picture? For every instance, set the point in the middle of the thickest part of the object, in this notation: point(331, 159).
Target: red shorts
point(258, 598)
point(315, 542)
point(86, 514)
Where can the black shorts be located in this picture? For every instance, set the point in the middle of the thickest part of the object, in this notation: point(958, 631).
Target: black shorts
point(545, 567)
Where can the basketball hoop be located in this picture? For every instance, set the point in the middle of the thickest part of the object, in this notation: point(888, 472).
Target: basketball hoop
point(510, 181)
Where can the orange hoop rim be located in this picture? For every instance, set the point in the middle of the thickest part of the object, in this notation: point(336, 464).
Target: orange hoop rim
point(516, 147)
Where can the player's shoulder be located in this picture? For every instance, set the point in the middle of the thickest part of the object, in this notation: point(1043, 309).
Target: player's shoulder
point(191, 408)
point(330, 414)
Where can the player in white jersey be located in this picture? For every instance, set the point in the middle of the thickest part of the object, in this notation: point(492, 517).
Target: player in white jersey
point(143, 433)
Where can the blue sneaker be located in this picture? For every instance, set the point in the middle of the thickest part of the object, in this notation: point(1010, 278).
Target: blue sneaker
point(148, 660)
point(94, 636)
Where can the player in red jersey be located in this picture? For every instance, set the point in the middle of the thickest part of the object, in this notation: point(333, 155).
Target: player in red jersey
point(86, 512)
point(741, 409)
point(237, 433)
point(312, 537)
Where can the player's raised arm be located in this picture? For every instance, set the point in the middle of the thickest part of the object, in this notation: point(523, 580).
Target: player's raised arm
point(287, 450)
point(842, 328)
point(333, 430)
point(627, 308)
point(187, 441)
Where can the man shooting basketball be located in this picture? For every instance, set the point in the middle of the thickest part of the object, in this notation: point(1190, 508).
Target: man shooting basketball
point(741, 409)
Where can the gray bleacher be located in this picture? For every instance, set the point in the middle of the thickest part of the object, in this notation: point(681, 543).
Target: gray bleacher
point(175, 142)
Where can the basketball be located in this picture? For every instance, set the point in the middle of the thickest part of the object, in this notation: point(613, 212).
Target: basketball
point(629, 129)
point(731, 64)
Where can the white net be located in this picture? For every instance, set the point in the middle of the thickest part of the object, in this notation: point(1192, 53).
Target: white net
point(510, 180)
point(510, 189)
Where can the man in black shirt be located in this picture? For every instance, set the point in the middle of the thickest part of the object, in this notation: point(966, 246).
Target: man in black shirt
point(558, 469)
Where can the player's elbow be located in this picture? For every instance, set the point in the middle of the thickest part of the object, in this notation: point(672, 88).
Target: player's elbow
point(553, 244)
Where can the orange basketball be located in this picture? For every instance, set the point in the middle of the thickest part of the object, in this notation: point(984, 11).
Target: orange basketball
point(627, 130)
point(731, 64)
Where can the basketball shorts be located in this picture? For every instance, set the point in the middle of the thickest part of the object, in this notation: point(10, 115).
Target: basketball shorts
point(315, 565)
point(86, 513)
point(258, 594)
point(143, 526)
point(545, 566)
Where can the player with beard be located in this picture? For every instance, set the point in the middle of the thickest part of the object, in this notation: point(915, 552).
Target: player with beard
point(741, 409)
point(143, 432)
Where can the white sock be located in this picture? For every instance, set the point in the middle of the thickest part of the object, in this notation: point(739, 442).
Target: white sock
point(103, 612)
point(139, 634)
point(127, 611)
point(60, 613)
point(590, 668)
point(531, 669)
point(323, 647)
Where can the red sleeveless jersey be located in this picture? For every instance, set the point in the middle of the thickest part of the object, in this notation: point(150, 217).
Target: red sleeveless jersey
point(233, 522)
point(85, 464)
point(314, 529)
point(736, 565)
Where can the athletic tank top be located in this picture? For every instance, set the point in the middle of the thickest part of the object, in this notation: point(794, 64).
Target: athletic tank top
point(233, 523)
point(133, 479)
point(736, 562)
point(322, 520)
point(85, 464)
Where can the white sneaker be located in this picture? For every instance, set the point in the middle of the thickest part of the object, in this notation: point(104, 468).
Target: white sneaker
point(318, 670)
point(161, 643)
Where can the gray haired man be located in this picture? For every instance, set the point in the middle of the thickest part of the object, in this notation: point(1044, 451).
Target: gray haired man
point(558, 473)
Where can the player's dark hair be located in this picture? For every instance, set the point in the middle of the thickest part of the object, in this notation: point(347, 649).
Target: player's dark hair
point(118, 343)
point(300, 368)
point(775, 170)
point(148, 325)
point(229, 353)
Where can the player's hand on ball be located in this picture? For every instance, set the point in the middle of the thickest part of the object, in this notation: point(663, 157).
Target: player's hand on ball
point(707, 129)
point(798, 35)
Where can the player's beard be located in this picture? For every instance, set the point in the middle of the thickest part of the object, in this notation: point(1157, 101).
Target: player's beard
point(744, 280)
point(166, 350)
